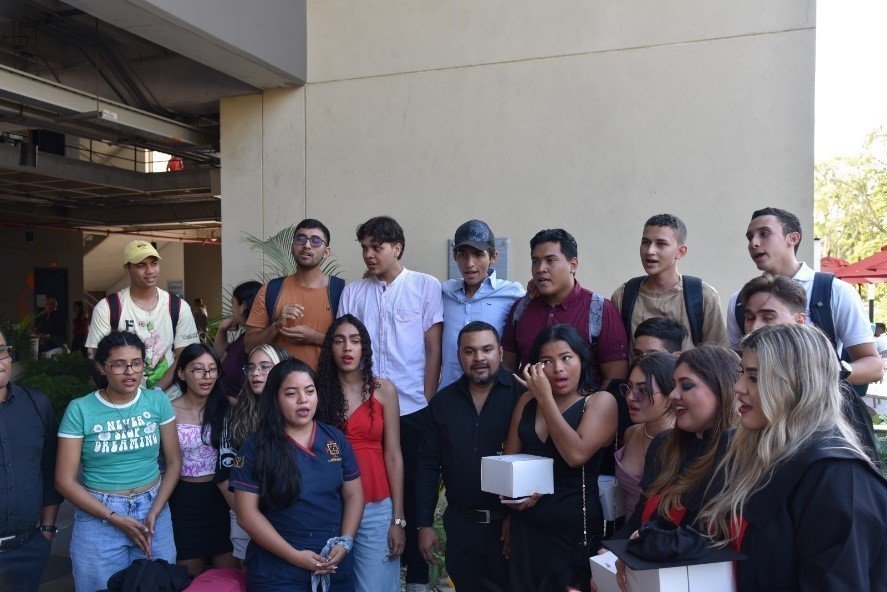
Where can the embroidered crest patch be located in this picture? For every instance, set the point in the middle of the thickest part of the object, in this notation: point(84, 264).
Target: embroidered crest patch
point(332, 447)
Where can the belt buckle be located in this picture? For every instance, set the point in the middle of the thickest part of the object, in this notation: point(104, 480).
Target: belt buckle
point(486, 516)
point(4, 540)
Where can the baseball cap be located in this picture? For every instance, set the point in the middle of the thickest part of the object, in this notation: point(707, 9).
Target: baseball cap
point(139, 250)
point(477, 234)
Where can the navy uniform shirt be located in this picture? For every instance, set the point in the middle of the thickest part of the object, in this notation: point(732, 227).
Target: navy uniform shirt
point(325, 466)
point(27, 459)
point(457, 438)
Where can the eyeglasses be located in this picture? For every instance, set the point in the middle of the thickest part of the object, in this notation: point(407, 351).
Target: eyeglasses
point(263, 368)
point(301, 239)
point(5, 352)
point(638, 393)
point(201, 373)
point(120, 367)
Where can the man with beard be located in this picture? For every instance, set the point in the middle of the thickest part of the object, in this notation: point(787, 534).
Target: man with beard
point(295, 311)
point(468, 420)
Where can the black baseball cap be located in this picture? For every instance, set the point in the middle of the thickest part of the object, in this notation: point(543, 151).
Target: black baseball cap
point(475, 233)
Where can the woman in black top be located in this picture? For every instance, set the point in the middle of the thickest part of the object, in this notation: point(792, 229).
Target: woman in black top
point(804, 502)
point(561, 417)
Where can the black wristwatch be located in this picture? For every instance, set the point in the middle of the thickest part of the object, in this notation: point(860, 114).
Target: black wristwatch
point(50, 528)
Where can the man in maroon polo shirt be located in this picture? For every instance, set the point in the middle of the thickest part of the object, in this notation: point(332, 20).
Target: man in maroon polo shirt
point(561, 299)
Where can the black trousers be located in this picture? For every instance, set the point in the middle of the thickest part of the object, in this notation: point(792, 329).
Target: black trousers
point(22, 568)
point(412, 427)
point(474, 555)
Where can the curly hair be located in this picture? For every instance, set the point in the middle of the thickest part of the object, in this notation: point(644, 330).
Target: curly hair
point(331, 404)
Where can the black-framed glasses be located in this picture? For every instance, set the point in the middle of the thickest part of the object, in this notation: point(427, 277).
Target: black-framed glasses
point(301, 239)
point(120, 367)
point(638, 393)
point(263, 367)
point(201, 373)
point(5, 351)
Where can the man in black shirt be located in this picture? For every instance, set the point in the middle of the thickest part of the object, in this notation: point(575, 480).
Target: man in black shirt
point(468, 420)
point(28, 501)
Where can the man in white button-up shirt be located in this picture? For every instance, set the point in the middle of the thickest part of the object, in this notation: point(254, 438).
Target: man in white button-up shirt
point(403, 313)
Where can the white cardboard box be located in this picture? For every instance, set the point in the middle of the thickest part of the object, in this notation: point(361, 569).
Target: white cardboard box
point(517, 475)
point(708, 577)
point(603, 572)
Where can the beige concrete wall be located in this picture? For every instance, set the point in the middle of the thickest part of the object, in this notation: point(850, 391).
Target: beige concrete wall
point(587, 115)
point(263, 174)
point(203, 276)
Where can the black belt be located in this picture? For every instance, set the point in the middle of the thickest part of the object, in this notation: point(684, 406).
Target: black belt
point(477, 516)
point(14, 541)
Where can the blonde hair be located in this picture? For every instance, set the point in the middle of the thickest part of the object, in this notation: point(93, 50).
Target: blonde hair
point(245, 412)
point(799, 396)
point(718, 367)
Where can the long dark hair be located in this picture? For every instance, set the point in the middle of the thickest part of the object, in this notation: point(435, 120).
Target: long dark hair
point(657, 367)
point(274, 467)
point(568, 334)
point(719, 368)
point(245, 293)
point(216, 403)
point(331, 404)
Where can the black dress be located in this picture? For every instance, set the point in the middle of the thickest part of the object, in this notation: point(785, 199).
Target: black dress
point(547, 551)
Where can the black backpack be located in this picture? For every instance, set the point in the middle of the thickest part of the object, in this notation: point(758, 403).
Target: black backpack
point(692, 303)
point(144, 575)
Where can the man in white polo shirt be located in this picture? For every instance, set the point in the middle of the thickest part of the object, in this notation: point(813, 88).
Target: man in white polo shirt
point(403, 313)
point(159, 318)
point(773, 237)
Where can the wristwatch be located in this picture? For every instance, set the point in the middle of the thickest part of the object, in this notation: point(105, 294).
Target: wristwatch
point(50, 528)
point(401, 522)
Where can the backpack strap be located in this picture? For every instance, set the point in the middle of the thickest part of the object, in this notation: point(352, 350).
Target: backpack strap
point(820, 305)
point(113, 301)
point(629, 297)
point(272, 293)
point(693, 305)
point(595, 318)
point(519, 309)
point(175, 307)
point(334, 292)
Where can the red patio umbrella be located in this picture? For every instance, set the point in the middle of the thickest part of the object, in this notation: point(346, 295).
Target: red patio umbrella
point(871, 270)
point(832, 264)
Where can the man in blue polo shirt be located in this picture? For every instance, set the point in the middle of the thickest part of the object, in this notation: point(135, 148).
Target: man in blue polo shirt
point(478, 296)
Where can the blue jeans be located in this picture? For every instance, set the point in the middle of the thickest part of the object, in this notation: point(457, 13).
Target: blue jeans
point(99, 550)
point(373, 571)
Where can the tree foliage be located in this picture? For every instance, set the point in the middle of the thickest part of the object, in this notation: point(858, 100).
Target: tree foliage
point(851, 206)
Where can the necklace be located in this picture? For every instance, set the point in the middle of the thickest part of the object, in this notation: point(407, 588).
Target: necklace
point(646, 433)
point(149, 307)
point(116, 408)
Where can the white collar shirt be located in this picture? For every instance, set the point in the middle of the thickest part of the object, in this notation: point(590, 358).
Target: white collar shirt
point(397, 315)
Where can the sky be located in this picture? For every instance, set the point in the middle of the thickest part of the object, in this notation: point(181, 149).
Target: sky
point(851, 74)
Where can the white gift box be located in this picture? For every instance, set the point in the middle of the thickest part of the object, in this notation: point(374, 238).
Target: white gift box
point(603, 572)
point(517, 475)
point(708, 577)
point(711, 573)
